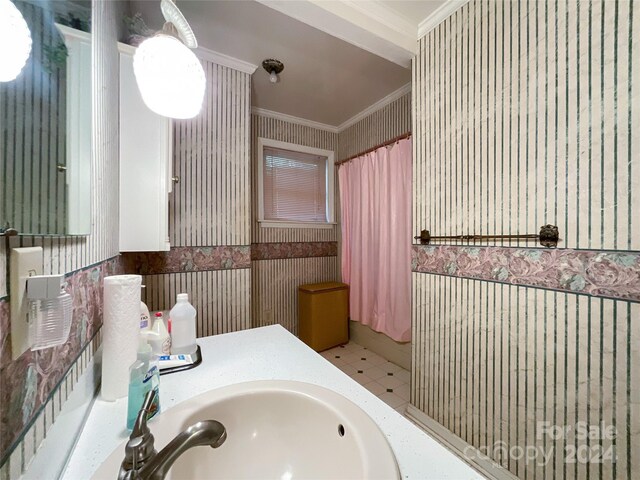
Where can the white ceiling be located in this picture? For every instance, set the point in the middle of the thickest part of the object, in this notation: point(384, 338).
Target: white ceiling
point(325, 79)
point(340, 56)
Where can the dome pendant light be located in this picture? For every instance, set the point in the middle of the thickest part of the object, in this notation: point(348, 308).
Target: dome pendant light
point(15, 39)
point(169, 75)
point(273, 68)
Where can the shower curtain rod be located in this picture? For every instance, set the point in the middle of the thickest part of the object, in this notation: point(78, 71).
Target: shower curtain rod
point(385, 144)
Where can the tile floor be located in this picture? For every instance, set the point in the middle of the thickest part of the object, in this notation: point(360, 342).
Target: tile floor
point(384, 379)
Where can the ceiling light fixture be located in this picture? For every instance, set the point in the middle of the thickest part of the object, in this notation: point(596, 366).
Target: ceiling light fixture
point(169, 75)
point(15, 38)
point(273, 68)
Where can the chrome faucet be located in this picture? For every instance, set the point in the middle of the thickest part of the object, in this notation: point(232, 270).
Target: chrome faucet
point(142, 462)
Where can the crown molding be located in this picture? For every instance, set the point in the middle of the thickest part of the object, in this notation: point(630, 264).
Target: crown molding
point(206, 54)
point(440, 15)
point(225, 60)
point(383, 102)
point(379, 12)
point(345, 19)
point(291, 119)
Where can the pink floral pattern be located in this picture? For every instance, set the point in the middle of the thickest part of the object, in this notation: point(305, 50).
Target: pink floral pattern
point(273, 251)
point(195, 259)
point(189, 259)
point(27, 381)
point(598, 273)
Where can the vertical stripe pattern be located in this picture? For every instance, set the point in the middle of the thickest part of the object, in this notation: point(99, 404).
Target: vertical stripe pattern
point(209, 206)
point(274, 287)
point(283, 131)
point(210, 203)
point(527, 113)
point(33, 117)
point(380, 126)
point(67, 254)
point(494, 362)
point(274, 283)
point(221, 297)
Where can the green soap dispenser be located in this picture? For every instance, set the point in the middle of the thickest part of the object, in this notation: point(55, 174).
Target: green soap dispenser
point(143, 377)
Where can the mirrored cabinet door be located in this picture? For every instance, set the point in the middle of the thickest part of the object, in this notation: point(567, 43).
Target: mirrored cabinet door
point(45, 125)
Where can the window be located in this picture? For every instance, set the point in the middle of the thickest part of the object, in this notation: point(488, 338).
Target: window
point(295, 185)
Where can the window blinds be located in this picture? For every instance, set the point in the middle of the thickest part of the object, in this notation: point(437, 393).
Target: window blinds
point(295, 186)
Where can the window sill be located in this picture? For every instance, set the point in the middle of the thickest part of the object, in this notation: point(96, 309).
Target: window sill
point(284, 224)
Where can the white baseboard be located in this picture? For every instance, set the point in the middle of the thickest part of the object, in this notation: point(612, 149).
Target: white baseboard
point(398, 353)
point(457, 445)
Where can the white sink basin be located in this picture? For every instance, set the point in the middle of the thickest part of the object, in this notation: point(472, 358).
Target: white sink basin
point(275, 430)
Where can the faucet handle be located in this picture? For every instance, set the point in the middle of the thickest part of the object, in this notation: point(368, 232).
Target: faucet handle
point(139, 448)
point(140, 428)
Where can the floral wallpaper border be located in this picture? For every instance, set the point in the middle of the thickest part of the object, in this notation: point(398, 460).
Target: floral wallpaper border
point(283, 250)
point(598, 273)
point(28, 381)
point(225, 257)
point(189, 259)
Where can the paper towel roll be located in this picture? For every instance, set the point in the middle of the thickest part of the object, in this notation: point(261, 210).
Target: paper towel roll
point(121, 328)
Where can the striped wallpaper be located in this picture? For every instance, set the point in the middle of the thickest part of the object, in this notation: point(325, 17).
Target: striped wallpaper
point(527, 107)
point(388, 122)
point(283, 131)
point(274, 287)
point(4, 281)
point(68, 254)
point(33, 199)
point(274, 282)
point(210, 203)
point(493, 361)
point(209, 206)
point(221, 297)
point(527, 113)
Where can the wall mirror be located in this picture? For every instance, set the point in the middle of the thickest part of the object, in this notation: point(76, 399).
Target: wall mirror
point(45, 124)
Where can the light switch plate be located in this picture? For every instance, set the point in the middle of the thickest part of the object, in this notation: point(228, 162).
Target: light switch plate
point(25, 262)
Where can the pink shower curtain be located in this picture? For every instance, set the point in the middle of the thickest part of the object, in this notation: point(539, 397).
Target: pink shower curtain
point(375, 196)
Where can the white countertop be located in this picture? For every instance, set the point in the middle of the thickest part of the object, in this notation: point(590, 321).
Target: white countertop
point(266, 353)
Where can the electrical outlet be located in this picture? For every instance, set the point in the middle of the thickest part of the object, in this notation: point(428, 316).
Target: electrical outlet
point(25, 262)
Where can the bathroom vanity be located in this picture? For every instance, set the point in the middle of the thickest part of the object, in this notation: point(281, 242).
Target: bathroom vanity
point(268, 353)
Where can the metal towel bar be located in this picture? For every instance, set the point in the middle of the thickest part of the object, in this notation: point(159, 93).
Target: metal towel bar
point(548, 237)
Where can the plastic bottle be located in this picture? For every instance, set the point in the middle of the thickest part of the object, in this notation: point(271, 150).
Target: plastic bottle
point(146, 355)
point(144, 376)
point(144, 352)
point(183, 326)
point(158, 337)
point(138, 388)
point(145, 318)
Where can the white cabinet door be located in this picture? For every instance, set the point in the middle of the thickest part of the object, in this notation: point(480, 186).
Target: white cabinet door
point(79, 118)
point(145, 167)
